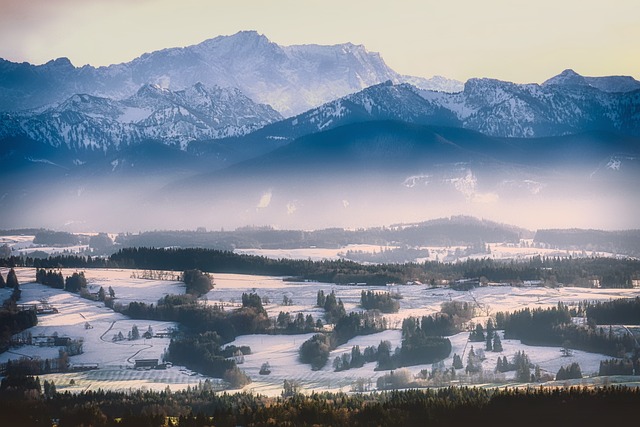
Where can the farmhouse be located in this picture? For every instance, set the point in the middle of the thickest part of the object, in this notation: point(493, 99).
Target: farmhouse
point(146, 363)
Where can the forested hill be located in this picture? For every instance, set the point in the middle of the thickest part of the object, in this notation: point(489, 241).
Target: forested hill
point(551, 271)
point(625, 242)
point(457, 230)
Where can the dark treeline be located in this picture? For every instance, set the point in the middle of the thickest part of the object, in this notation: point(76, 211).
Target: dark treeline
point(610, 272)
point(58, 238)
point(619, 367)
point(22, 403)
point(553, 327)
point(619, 311)
point(551, 271)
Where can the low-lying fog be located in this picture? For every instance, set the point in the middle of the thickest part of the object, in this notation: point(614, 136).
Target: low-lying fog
point(315, 200)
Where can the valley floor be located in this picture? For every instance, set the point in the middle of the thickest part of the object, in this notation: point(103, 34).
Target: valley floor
point(97, 325)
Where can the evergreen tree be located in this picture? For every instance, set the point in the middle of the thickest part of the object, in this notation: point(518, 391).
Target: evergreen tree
point(101, 294)
point(2, 282)
point(478, 334)
point(497, 343)
point(490, 327)
point(357, 360)
point(112, 293)
point(489, 346)
point(523, 367)
point(12, 280)
point(135, 333)
point(457, 361)
point(320, 299)
point(309, 323)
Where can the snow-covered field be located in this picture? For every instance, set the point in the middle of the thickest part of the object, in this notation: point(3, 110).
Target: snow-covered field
point(115, 359)
point(499, 251)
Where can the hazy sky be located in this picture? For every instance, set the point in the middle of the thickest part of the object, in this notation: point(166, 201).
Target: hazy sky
point(522, 41)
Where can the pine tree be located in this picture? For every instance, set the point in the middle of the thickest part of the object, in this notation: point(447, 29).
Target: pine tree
point(321, 299)
point(489, 346)
point(457, 361)
point(497, 343)
point(490, 327)
point(101, 294)
point(2, 282)
point(12, 280)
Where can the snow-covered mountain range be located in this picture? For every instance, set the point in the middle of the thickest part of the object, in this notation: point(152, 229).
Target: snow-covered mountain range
point(241, 126)
point(291, 79)
point(491, 107)
point(199, 114)
point(87, 122)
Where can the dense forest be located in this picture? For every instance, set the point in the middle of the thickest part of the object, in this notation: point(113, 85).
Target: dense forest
point(609, 272)
point(553, 327)
point(26, 402)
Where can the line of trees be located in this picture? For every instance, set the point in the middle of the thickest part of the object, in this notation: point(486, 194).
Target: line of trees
point(552, 271)
point(553, 326)
point(619, 311)
point(23, 402)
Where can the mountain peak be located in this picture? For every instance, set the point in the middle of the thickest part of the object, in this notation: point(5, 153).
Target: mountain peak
point(62, 62)
point(567, 78)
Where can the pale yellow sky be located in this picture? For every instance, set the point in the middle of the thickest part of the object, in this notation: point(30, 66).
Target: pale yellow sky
point(521, 41)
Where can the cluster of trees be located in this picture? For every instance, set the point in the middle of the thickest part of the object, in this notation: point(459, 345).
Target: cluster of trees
point(36, 366)
point(299, 324)
point(203, 353)
point(354, 359)
point(197, 282)
point(355, 324)
point(438, 324)
point(12, 280)
point(57, 238)
point(74, 283)
point(619, 311)
point(553, 326)
point(207, 328)
point(619, 367)
point(23, 402)
point(315, 350)
point(491, 338)
point(570, 372)
point(383, 301)
point(522, 365)
point(421, 342)
point(333, 307)
point(251, 318)
point(459, 312)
